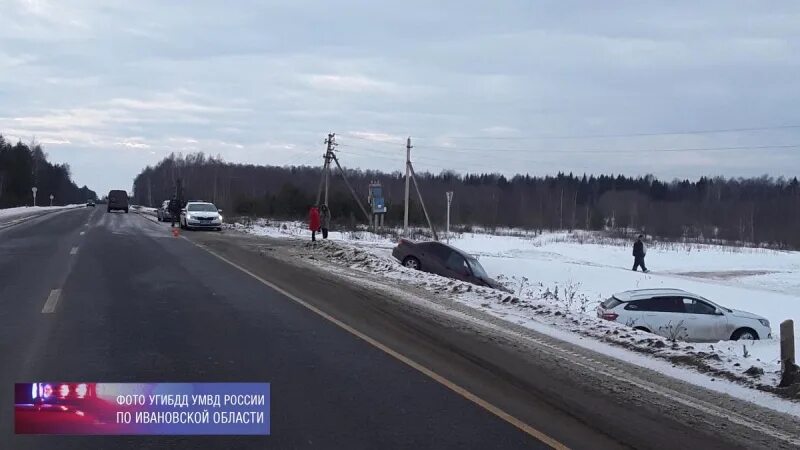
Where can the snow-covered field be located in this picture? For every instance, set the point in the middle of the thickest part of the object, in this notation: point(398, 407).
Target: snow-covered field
point(559, 278)
point(9, 215)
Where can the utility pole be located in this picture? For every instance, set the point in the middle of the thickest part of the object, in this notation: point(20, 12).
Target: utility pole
point(324, 181)
point(408, 173)
point(326, 166)
point(150, 192)
point(449, 200)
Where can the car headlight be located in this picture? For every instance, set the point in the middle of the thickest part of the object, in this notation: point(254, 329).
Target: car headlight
point(764, 322)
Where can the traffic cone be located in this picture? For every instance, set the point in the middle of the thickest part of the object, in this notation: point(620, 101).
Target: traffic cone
point(175, 232)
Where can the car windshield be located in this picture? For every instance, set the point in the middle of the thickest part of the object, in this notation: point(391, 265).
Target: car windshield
point(202, 207)
point(477, 269)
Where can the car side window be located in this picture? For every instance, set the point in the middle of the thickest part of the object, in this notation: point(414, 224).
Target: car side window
point(659, 304)
point(439, 251)
point(458, 264)
point(694, 306)
point(636, 305)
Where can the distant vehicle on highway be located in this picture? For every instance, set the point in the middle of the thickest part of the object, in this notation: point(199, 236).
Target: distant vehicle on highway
point(681, 315)
point(163, 214)
point(197, 215)
point(90, 202)
point(117, 201)
point(442, 259)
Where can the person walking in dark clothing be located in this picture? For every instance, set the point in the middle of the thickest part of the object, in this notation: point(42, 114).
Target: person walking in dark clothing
point(313, 222)
point(174, 208)
point(325, 220)
point(638, 254)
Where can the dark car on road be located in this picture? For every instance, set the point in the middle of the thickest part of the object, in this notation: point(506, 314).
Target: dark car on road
point(117, 201)
point(442, 259)
point(90, 202)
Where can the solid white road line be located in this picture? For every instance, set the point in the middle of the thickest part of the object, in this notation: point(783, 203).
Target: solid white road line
point(524, 427)
point(52, 301)
point(82, 233)
point(74, 251)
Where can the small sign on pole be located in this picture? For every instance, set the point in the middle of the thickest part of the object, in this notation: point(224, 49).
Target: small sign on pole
point(51, 199)
point(34, 189)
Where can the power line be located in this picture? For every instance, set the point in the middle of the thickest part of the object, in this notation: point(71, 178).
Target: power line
point(486, 150)
point(597, 136)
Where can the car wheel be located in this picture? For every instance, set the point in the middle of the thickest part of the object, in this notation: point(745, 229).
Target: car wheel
point(412, 263)
point(642, 329)
point(745, 334)
point(108, 210)
point(126, 210)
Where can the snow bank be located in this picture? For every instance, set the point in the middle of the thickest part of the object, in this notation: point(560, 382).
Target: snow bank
point(21, 212)
point(558, 279)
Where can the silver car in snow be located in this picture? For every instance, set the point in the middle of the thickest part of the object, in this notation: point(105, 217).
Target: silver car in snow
point(680, 315)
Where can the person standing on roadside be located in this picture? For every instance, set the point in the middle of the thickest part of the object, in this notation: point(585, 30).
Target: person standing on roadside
point(174, 208)
point(638, 254)
point(313, 222)
point(325, 222)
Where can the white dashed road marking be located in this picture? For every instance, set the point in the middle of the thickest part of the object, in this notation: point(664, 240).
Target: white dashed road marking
point(52, 301)
point(82, 233)
point(74, 251)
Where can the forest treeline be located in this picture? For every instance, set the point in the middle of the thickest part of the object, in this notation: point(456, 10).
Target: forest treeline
point(760, 210)
point(23, 166)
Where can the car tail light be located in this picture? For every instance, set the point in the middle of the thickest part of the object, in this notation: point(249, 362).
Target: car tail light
point(80, 390)
point(63, 390)
point(46, 391)
point(609, 315)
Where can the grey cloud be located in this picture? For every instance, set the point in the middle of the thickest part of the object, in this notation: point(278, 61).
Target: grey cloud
point(263, 82)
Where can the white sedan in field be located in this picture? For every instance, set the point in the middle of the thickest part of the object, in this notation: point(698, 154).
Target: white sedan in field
point(681, 315)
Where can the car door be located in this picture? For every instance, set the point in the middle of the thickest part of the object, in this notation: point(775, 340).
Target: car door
point(706, 324)
point(457, 267)
point(432, 256)
point(663, 316)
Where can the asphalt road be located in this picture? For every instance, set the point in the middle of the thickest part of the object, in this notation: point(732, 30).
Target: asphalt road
point(137, 304)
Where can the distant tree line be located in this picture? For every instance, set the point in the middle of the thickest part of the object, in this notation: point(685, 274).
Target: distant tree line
point(758, 210)
point(23, 166)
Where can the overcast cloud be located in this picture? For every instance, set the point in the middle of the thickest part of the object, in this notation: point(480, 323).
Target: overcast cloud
point(112, 86)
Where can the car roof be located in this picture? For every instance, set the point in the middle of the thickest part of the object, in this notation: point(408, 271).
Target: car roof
point(642, 294)
point(457, 250)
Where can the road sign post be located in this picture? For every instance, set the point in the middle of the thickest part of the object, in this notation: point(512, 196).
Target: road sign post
point(51, 199)
point(34, 189)
point(449, 200)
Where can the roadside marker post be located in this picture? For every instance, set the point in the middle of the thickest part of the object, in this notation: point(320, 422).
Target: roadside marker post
point(788, 368)
point(34, 189)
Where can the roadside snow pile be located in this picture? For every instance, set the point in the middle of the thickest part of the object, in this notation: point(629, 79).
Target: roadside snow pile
point(558, 279)
point(145, 209)
point(10, 215)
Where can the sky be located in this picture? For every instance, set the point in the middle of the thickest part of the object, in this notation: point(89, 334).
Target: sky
point(675, 89)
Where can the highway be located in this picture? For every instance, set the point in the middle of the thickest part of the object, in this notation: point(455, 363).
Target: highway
point(95, 296)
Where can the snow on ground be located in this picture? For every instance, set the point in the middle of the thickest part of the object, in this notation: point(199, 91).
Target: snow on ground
point(8, 215)
point(559, 278)
point(145, 209)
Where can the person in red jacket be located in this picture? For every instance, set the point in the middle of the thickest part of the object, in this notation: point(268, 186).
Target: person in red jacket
point(313, 222)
